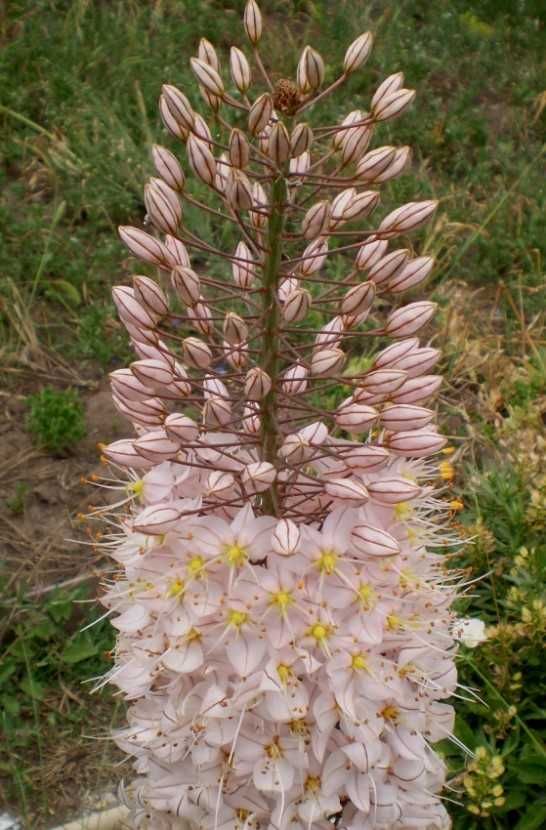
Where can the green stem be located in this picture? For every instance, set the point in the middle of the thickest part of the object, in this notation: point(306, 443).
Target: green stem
point(270, 340)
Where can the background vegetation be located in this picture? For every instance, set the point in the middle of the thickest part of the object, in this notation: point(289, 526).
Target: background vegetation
point(79, 83)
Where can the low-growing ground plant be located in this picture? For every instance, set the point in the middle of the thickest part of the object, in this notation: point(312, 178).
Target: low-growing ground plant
point(56, 419)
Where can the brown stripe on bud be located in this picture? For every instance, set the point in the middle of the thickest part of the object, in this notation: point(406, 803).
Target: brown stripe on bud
point(406, 321)
point(207, 76)
point(252, 21)
point(413, 273)
point(149, 293)
point(388, 266)
point(187, 284)
point(196, 353)
point(207, 53)
point(391, 84)
point(358, 53)
point(240, 70)
point(260, 113)
point(201, 160)
point(162, 205)
point(257, 384)
point(168, 167)
point(146, 247)
point(239, 150)
point(316, 221)
point(301, 139)
point(278, 146)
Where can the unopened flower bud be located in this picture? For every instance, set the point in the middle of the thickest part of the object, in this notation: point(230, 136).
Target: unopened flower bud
point(406, 321)
point(381, 382)
point(123, 453)
point(413, 273)
point(162, 205)
point(207, 53)
point(146, 247)
point(207, 76)
point(219, 484)
point(330, 334)
point(169, 121)
point(388, 266)
point(239, 191)
point(187, 284)
point(131, 310)
point(417, 390)
point(157, 446)
point(393, 490)
point(196, 353)
point(178, 251)
point(388, 358)
point(391, 84)
point(358, 53)
point(127, 387)
point(257, 384)
point(393, 105)
point(406, 218)
point(240, 69)
point(201, 160)
point(242, 267)
point(301, 139)
point(327, 362)
point(150, 295)
point(400, 417)
point(239, 150)
point(179, 107)
point(253, 22)
point(200, 316)
point(235, 329)
point(368, 540)
point(260, 113)
point(216, 412)
point(358, 299)
point(279, 144)
point(370, 253)
point(354, 117)
point(316, 221)
point(347, 490)
point(397, 165)
point(294, 380)
point(355, 417)
point(258, 477)
point(313, 68)
point(314, 256)
point(157, 374)
point(156, 519)
point(250, 420)
point(300, 164)
point(168, 167)
point(286, 538)
point(419, 361)
point(181, 427)
point(374, 163)
point(201, 129)
point(415, 443)
point(296, 305)
point(354, 143)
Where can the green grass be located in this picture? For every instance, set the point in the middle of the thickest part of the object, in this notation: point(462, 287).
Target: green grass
point(79, 85)
point(56, 419)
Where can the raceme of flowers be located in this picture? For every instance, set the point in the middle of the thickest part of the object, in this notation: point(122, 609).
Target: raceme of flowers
point(285, 633)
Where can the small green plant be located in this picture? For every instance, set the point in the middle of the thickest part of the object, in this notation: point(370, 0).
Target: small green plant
point(99, 337)
point(56, 419)
point(16, 502)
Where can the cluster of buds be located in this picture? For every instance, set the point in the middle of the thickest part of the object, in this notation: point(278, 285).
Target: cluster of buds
point(285, 632)
point(481, 783)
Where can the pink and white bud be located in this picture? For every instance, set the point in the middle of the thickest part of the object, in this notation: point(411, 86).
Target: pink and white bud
point(314, 257)
point(253, 22)
point(327, 362)
point(380, 382)
point(399, 163)
point(260, 113)
point(286, 287)
point(286, 538)
point(207, 76)
point(163, 206)
point(207, 53)
point(316, 221)
point(141, 412)
point(242, 267)
point(388, 358)
point(219, 484)
point(214, 387)
point(182, 428)
point(201, 129)
point(240, 70)
point(179, 107)
point(223, 170)
point(406, 321)
point(196, 353)
point(257, 384)
point(123, 453)
point(235, 329)
point(406, 218)
point(250, 420)
point(388, 266)
point(340, 204)
point(168, 167)
point(169, 121)
point(258, 477)
point(419, 361)
point(156, 519)
point(131, 310)
point(294, 380)
point(391, 84)
point(154, 373)
point(127, 387)
point(278, 145)
point(370, 253)
point(354, 117)
point(368, 540)
point(157, 349)
point(354, 143)
point(200, 317)
point(300, 164)
point(201, 160)
point(393, 490)
point(358, 53)
point(157, 446)
point(393, 105)
point(216, 412)
point(363, 458)
point(296, 305)
point(418, 389)
point(258, 214)
point(413, 273)
point(355, 417)
point(187, 284)
point(361, 205)
point(239, 191)
point(313, 68)
point(239, 149)
point(150, 295)
point(401, 417)
point(178, 251)
point(330, 334)
point(374, 163)
point(236, 355)
point(347, 490)
point(358, 299)
point(301, 139)
point(146, 247)
point(415, 443)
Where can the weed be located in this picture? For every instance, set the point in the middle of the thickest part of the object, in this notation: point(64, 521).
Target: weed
point(16, 503)
point(56, 419)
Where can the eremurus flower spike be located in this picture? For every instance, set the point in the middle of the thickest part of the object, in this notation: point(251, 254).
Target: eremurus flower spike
point(284, 630)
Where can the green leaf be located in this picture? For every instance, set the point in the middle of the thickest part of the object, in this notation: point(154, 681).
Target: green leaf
point(32, 687)
point(11, 705)
point(62, 289)
point(79, 648)
point(6, 671)
point(533, 819)
point(531, 770)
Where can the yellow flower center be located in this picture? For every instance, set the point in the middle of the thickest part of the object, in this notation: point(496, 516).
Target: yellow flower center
point(312, 784)
point(282, 600)
point(284, 672)
point(273, 750)
point(235, 555)
point(176, 587)
point(136, 487)
point(393, 622)
point(193, 635)
point(299, 728)
point(195, 566)
point(391, 713)
point(403, 510)
point(237, 618)
point(359, 662)
point(320, 631)
point(326, 563)
point(446, 470)
point(367, 596)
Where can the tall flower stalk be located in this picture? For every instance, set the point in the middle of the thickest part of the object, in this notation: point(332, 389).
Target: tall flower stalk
point(285, 632)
